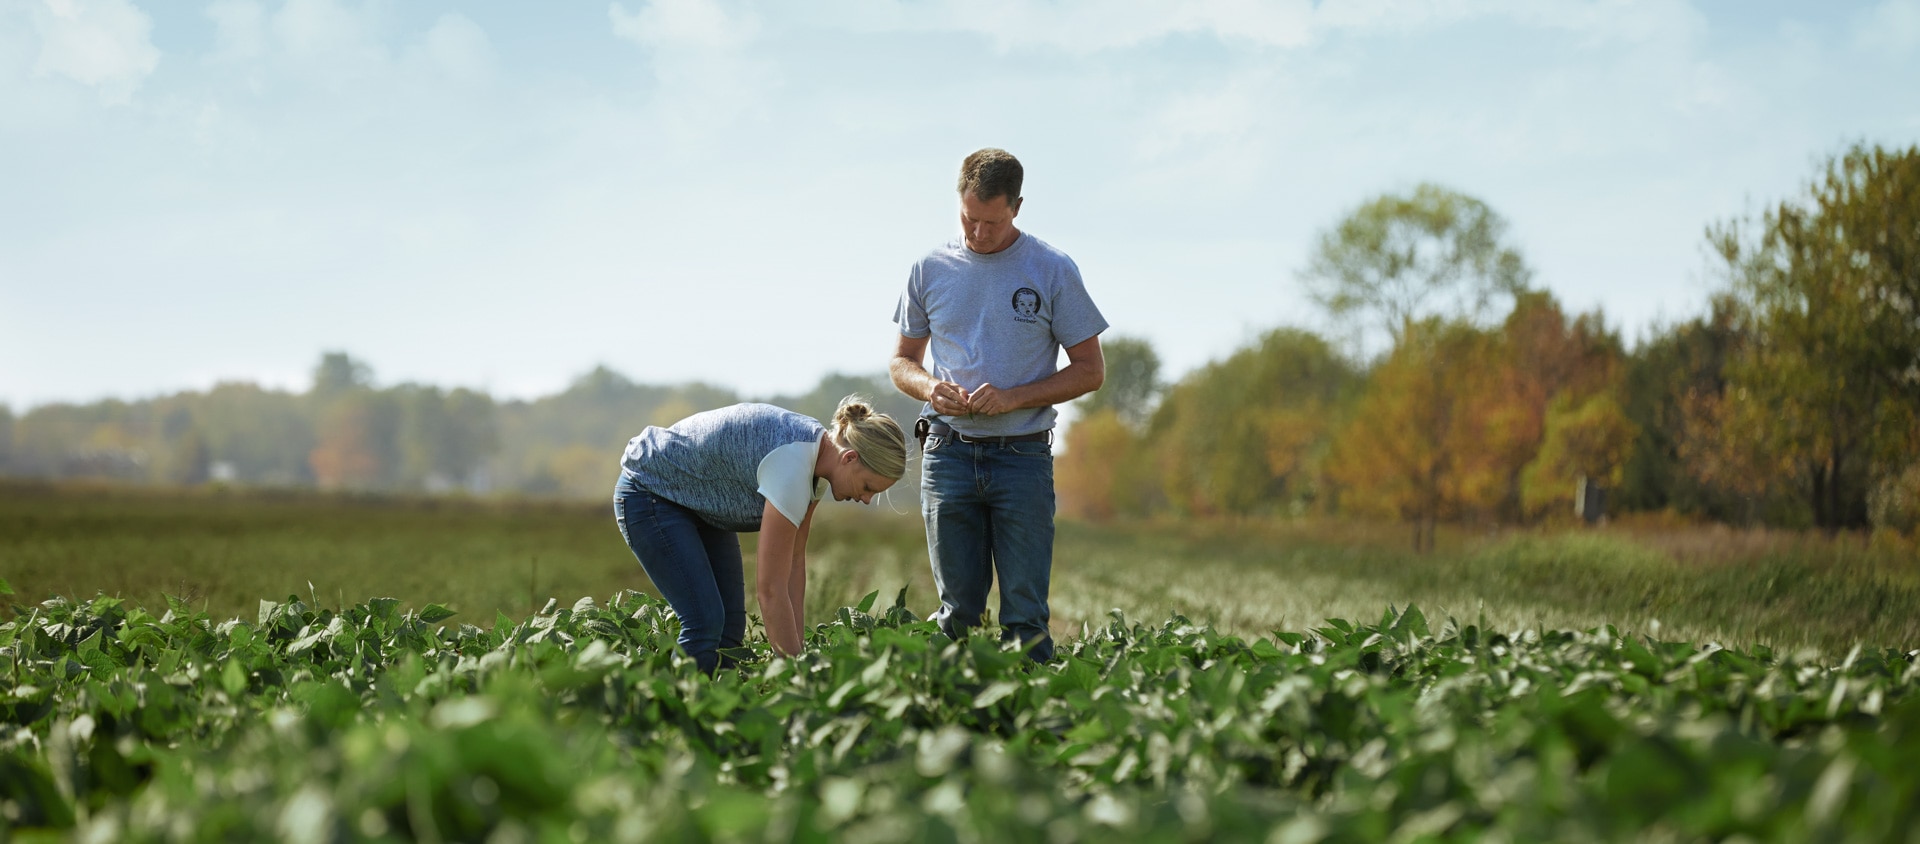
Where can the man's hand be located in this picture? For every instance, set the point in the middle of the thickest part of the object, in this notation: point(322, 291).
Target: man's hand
point(950, 399)
point(993, 401)
point(1086, 369)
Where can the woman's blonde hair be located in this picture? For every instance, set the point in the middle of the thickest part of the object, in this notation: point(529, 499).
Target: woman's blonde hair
point(874, 436)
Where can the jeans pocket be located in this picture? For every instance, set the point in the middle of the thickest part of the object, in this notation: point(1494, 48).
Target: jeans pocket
point(934, 442)
point(1034, 449)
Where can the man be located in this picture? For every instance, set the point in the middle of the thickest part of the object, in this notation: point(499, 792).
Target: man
point(995, 306)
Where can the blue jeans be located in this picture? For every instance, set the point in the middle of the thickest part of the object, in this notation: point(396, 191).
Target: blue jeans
point(989, 509)
point(696, 567)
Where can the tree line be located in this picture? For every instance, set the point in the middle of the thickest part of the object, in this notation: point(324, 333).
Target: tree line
point(1793, 401)
point(347, 433)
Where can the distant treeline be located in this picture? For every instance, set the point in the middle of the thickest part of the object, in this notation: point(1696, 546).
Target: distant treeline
point(1794, 402)
point(345, 433)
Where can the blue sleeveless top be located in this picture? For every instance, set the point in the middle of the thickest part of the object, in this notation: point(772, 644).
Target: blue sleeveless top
point(709, 462)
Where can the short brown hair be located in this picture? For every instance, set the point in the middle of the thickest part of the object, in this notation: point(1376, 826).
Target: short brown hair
point(989, 173)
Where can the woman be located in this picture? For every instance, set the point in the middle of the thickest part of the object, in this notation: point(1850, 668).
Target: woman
point(686, 490)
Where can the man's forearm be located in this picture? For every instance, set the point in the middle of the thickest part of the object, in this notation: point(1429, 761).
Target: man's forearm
point(911, 378)
point(1075, 380)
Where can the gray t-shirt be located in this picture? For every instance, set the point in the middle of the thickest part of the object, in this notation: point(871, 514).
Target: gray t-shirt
point(710, 462)
point(997, 319)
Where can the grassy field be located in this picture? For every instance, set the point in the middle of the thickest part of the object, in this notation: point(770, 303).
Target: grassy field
point(224, 551)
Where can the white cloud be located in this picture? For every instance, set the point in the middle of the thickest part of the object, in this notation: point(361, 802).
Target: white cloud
point(685, 23)
point(1081, 26)
point(103, 44)
point(1893, 26)
point(240, 29)
point(1621, 20)
point(708, 76)
point(318, 28)
point(329, 42)
point(1086, 26)
point(456, 47)
point(1207, 117)
point(339, 44)
point(1089, 26)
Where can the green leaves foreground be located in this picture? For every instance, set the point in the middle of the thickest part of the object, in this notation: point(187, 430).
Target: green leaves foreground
point(585, 724)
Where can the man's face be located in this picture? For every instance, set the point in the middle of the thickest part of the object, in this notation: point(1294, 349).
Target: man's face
point(988, 225)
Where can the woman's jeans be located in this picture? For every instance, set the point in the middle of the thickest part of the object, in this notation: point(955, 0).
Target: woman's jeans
point(989, 509)
point(696, 567)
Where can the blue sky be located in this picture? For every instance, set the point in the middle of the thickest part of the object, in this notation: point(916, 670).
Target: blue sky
point(502, 195)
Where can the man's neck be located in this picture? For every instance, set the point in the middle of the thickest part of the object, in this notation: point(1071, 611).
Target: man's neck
point(1004, 246)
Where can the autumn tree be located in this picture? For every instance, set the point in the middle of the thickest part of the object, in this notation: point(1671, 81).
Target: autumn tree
point(1248, 434)
point(1725, 449)
point(1399, 258)
point(1583, 438)
point(1663, 368)
point(1828, 381)
point(1417, 445)
point(356, 443)
point(1090, 467)
point(1867, 207)
point(356, 427)
point(1546, 360)
point(1104, 469)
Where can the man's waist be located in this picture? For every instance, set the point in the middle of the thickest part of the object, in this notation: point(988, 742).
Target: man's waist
point(945, 431)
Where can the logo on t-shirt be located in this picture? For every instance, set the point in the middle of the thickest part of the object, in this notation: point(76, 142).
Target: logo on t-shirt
point(1026, 305)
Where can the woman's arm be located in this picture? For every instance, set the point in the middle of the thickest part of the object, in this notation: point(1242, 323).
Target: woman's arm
point(776, 578)
point(797, 577)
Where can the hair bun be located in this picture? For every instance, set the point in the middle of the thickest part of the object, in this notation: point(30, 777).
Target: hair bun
point(852, 411)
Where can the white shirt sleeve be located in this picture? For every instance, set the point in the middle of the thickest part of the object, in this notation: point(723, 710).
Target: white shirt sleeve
point(787, 482)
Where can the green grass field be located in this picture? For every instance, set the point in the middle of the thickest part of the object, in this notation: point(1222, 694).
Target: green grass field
point(1529, 697)
point(225, 551)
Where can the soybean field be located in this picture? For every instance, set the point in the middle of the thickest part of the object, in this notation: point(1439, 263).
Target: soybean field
point(1597, 686)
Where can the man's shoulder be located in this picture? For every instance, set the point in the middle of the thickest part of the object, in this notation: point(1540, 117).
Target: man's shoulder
point(950, 251)
point(1040, 251)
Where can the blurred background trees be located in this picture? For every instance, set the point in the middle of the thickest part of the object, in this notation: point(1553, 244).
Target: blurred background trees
point(6, 437)
point(1794, 401)
point(1132, 387)
point(1825, 380)
point(1397, 259)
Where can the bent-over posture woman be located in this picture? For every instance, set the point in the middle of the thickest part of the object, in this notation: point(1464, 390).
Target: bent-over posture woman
point(687, 489)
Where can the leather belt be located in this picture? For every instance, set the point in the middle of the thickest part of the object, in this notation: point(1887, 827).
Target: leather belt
point(942, 429)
